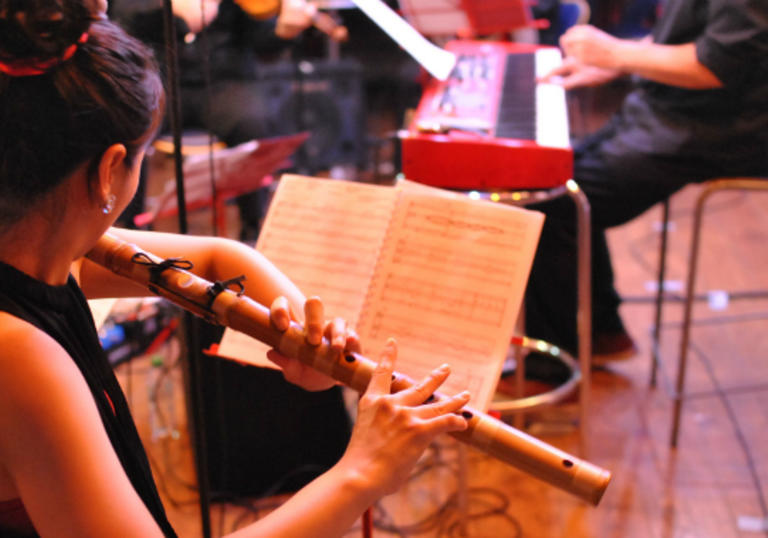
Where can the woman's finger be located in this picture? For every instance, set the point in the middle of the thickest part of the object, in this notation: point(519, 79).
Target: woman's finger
point(424, 389)
point(314, 320)
point(336, 332)
point(445, 422)
point(280, 314)
point(341, 336)
point(352, 341)
point(381, 380)
point(443, 406)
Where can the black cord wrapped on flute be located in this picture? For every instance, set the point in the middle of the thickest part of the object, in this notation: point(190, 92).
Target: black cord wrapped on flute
point(220, 305)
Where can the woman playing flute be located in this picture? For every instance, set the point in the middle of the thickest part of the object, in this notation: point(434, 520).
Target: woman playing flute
point(79, 102)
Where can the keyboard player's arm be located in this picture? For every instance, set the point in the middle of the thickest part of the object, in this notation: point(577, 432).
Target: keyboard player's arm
point(676, 65)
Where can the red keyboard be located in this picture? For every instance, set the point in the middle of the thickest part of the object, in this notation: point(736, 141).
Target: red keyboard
point(490, 125)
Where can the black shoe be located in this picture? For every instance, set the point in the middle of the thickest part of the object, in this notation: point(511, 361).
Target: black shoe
point(544, 369)
point(610, 347)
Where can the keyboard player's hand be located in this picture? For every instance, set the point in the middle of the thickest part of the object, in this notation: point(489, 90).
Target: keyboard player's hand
point(574, 74)
point(592, 46)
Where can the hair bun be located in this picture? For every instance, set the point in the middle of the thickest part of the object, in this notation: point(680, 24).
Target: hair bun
point(40, 28)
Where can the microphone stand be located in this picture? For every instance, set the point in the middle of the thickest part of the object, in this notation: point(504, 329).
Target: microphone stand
point(190, 322)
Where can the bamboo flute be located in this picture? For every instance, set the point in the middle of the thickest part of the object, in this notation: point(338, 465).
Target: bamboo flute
point(217, 304)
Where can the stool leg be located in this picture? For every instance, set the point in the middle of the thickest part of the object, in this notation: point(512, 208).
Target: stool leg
point(462, 489)
point(519, 418)
point(584, 312)
point(656, 338)
point(688, 308)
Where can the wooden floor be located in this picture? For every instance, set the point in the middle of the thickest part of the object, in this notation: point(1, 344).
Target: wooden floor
point(718, 474)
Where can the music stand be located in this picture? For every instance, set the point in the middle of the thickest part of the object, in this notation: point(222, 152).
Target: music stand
point(493, 16)
point(239, 170)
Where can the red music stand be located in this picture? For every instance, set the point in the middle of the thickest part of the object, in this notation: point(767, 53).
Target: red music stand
point(488, 17)
point(237, 170)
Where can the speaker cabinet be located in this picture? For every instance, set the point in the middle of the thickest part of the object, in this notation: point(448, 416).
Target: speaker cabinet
point(323, 97)
point(263, 435)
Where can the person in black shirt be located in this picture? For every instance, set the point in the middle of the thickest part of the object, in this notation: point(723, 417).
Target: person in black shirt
point(218, 69)
point(698, 110)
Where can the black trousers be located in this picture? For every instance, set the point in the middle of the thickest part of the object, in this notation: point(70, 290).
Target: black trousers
point(621, 179)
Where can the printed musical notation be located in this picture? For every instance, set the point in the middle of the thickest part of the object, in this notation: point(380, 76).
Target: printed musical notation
point(443, 274)
point(449, 286)
point(326, 236)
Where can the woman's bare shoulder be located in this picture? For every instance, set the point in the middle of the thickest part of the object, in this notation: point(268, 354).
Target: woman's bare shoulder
point(53, 442)
point(31, 362)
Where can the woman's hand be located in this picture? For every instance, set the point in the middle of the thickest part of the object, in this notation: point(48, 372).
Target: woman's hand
point(341, 337)
point(392, 430)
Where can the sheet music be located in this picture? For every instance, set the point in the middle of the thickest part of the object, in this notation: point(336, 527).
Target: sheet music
point(238, 169)
point(325, 235)
point(443, 274)
point(437, 61)
point(100, 310)
point(449, 287)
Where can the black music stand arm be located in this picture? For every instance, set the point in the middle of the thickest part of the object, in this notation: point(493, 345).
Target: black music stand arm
point(190, 322)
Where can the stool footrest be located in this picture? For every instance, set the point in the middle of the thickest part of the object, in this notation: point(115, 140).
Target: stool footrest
point(550, 397)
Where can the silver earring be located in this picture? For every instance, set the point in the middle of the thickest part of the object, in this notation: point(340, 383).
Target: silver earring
point(109, 206)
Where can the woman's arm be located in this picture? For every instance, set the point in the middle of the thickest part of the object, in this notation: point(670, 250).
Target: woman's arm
point(213, 259)
point(54, 446)
point(221, 259)
point(391, 432)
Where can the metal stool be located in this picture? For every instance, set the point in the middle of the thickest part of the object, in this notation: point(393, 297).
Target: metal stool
point(708, 188)
point(580, 368)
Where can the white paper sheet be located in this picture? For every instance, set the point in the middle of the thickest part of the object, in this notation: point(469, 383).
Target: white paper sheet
point(443, 274)
point(437, 61)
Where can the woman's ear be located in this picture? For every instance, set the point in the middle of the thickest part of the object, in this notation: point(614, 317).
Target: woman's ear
point(111, 172)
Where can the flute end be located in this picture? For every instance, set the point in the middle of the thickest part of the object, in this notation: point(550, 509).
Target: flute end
point(592, 481)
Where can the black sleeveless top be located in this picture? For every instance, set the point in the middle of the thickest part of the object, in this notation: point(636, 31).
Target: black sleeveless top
point(63, 313)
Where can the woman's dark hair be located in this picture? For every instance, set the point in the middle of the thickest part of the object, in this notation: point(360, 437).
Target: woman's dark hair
point(107, 92)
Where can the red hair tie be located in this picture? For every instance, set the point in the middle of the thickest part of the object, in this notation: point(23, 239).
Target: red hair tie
point(29, 67)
